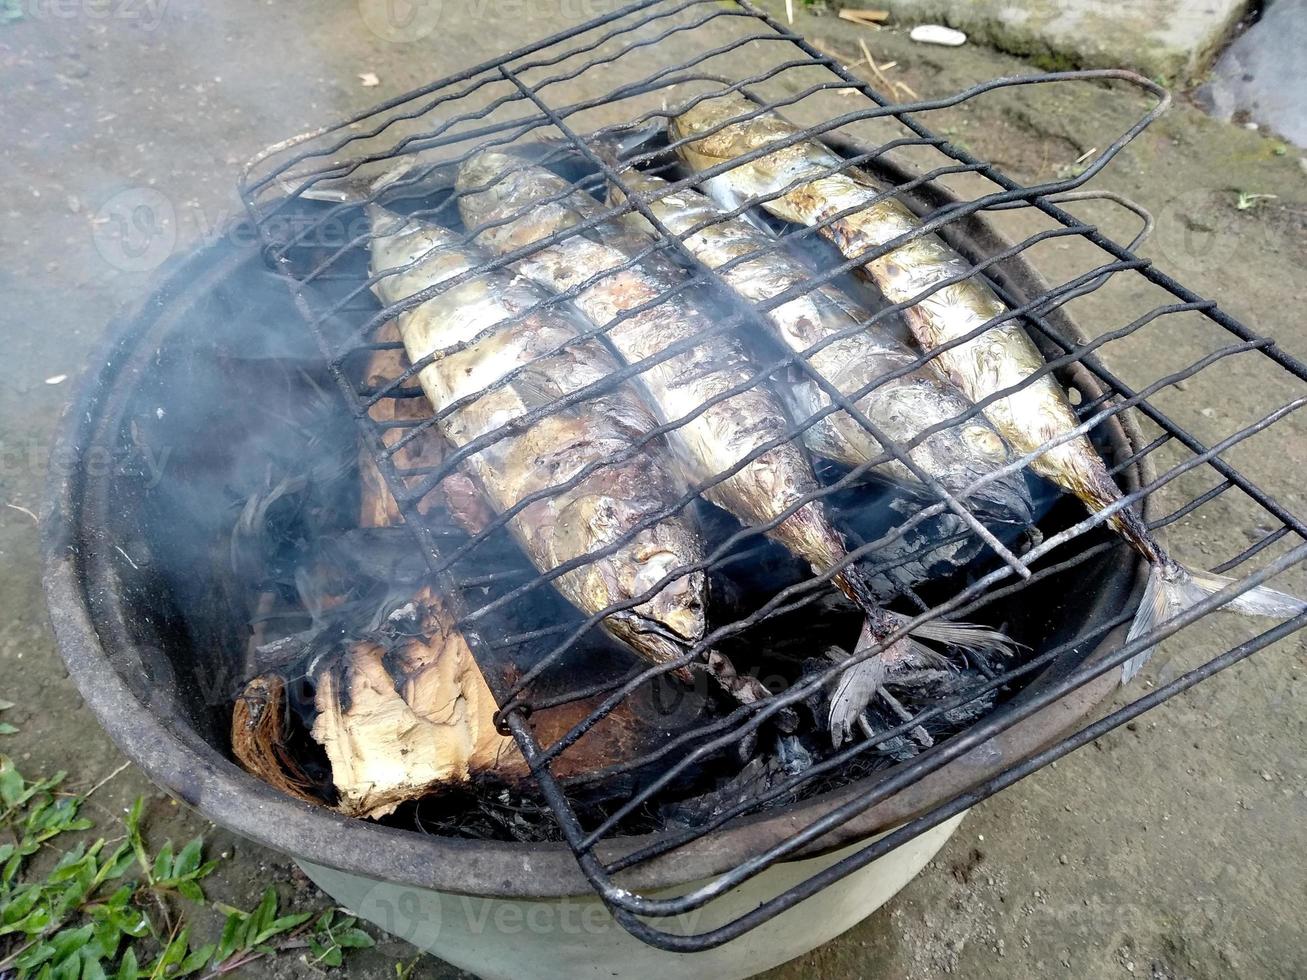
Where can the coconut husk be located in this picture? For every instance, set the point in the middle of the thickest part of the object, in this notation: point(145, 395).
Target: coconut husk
point(398, 723)
point(258, 738)
point(402, 719)
point(399, 720)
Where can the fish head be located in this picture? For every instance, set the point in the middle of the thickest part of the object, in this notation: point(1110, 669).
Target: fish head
point(959, 453)
point(711, 130)
point(522, 200)
point(656, 554)
point(649, 561)
point(724, 128)
point(672, 614)
point(406, 251)
point(974, 450)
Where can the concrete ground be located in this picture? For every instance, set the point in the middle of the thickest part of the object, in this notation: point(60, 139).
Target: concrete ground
point(1169, 39)
point(1177, 848)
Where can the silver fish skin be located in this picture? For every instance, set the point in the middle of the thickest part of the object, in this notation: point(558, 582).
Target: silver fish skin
point(998, 358)
point(605, 505)
point(716, 439)
point(903, 408)
point(523, 204)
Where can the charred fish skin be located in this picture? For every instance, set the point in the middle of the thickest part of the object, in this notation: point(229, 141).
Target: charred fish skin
point(967, 446)
point(495, 316)
point(513, 196)
point(998, 358)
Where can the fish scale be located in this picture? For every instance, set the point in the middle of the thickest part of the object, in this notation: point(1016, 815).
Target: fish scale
point(857, 356)
point(500, 199)
point(606, 506)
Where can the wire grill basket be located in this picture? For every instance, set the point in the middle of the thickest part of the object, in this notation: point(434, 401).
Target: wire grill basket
point(625, 73)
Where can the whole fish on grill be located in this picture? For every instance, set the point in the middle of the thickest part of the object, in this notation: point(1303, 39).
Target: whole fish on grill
point(495, 363)
point(964, 448)
point(509, 203)
point(808, 183)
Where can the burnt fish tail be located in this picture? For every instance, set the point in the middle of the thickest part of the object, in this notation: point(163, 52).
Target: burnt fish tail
point(998, 358)
point(950, 441)
point(497, 356)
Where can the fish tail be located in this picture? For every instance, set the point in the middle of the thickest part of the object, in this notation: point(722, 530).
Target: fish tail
point(616, 143)
point(861, 682)
point(968, 636)
point(1172, 588)
point(971, 637)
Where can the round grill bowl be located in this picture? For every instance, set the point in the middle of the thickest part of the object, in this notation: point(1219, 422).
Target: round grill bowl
point(137, 658)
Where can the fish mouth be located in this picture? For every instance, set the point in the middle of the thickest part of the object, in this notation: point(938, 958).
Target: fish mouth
point(1005, 500)
point(655, 641)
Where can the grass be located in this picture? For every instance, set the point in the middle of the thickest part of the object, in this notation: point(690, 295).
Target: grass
point(5, 727)
point(108, 909)
point(1247, 201)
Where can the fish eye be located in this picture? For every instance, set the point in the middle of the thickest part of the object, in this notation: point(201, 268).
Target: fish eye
point(983, 440)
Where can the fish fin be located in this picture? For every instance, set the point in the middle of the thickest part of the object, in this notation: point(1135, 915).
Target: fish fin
point(617, 143)
point(539, 388)
point(967, 636)
point(1172, 588)
point(853, 692)
point(861, 682)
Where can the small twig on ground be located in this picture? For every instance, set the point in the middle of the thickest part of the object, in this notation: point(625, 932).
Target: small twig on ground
point(23, 510)
point(167, 917)
point(867, 18)
point(117, 772)
point(227, 966)
point(891, 88)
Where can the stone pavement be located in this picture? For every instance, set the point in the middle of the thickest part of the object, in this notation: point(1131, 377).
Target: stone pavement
point(1263, 74)
point(1172, 40)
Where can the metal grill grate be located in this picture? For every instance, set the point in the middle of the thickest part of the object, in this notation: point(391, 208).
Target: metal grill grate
point(559, 97)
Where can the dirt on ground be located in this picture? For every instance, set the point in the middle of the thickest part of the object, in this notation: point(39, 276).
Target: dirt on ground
point(1175, 847)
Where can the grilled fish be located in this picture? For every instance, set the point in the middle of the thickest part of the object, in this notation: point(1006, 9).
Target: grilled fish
point(480, 336)
point(903, 408)
point(808, 183)
point(510, 203)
